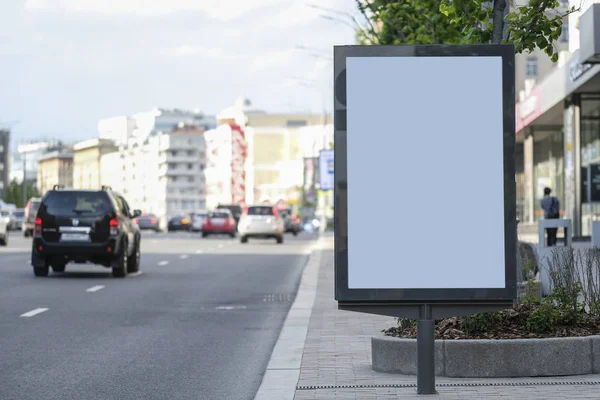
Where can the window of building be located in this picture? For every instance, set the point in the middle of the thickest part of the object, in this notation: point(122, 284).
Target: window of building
point(190, 166)
point(564, 35)
point(172, 165)
point(174, 153)
point(190, 153)
point(173, 179)
point(532, 67)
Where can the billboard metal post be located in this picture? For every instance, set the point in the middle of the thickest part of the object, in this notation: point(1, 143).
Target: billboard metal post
point(425, 351)
point(379, 97)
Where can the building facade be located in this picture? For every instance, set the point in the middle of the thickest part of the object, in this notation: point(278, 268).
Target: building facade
point(55, 168)
point(280, 142)
point(558, 132)
point(228, 164)
point(159, 161)
point(4, 160)
point(87, 157)
point(24, 162)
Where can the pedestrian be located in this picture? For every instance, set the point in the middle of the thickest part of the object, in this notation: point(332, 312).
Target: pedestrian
point(551, 207)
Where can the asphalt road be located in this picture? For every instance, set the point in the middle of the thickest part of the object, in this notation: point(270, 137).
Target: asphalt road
point(199, 322)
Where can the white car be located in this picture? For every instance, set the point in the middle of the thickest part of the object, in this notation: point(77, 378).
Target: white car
point(261, 222)
point(4, 230)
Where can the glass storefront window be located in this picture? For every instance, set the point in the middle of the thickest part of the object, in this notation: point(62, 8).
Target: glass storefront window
point(590, 153)
point(548, 170)
point(520, 179)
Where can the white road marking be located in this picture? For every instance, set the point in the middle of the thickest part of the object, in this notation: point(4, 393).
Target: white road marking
point(136, 273)
point(163, 263)
point(220, 246)
point(230, 308)
point(95, 288)
point(34, 312)
point(183, 256)
point(199, 251)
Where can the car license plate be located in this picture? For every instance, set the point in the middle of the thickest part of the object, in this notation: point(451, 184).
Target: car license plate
point(218, 222)
point(75, 237)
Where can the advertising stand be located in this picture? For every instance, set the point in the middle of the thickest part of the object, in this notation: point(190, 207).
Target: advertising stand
point(429, 131)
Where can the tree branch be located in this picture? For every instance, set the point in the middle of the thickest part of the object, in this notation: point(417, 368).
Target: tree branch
point(498, 21)
point(372, 32)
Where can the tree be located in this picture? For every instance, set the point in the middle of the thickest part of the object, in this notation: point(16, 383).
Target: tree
point(538, 24)
point(14, 193)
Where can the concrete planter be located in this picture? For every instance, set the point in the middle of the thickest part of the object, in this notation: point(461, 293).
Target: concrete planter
point(492, 358)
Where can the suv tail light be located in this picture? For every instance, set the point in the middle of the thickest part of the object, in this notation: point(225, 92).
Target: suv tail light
point(38, 226)
point(114, 227)
point(153, 220)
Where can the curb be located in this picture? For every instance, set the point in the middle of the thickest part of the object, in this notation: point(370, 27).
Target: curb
point(283, 369)
point(502, 358)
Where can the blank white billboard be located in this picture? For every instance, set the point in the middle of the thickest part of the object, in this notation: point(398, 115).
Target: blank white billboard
point(425, 172)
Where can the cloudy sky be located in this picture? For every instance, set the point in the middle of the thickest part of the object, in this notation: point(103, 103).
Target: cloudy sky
point(64, 64)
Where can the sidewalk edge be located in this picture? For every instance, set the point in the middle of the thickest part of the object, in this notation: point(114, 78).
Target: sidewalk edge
point(283, 370)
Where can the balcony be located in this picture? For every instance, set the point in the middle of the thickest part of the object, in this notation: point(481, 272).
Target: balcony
point(180, 157)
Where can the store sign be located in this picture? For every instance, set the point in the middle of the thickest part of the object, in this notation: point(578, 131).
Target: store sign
point(529, 109)
point(576, 69)
point(326, 170)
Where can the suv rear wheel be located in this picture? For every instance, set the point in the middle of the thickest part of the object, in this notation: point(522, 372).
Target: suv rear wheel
point(41, 267)
point(133, 262)
point(119, 266)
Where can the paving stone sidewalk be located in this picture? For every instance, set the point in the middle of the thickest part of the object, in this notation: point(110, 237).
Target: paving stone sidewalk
point(336, 363)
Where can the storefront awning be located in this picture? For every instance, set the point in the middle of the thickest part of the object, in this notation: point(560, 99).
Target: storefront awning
point(544, 105)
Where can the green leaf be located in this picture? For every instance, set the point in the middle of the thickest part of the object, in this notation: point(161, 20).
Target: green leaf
point(554, 57)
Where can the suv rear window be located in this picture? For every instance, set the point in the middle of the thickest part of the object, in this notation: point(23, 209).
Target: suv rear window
point(77, 203)
point(235, 209)
point(260, 210)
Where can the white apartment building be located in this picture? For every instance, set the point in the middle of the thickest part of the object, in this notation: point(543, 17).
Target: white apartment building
point(160, 163)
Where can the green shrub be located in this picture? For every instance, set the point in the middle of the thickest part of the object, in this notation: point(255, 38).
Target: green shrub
point(406, 323)
point(542, 318)
point(477, 323)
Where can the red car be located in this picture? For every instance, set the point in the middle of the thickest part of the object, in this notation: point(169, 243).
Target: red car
point(219, 222)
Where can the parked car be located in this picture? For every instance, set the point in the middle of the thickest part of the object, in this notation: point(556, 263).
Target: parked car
point(261, 221)
point(3, 231)
point(19, 213)
point(10, 219)
point(236, 211)
point(291, 221)
point(198, 220)
point(85, 226)
point(148, 221)
point(31, 210)
point(181, 222)
point(219, 222)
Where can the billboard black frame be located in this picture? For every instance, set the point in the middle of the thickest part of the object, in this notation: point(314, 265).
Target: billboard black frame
point(455, 299)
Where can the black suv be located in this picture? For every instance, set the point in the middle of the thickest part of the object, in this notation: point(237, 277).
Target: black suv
point(85, 226)
point(236, 211)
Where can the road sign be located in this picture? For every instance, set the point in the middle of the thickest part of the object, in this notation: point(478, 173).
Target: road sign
point(326, 168)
